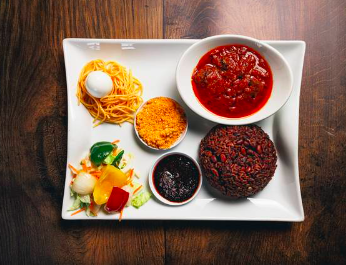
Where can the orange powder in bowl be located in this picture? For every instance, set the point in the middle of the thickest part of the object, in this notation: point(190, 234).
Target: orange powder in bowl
point(161, 122)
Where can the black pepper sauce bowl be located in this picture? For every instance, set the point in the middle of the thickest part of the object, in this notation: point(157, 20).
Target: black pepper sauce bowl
point(183, 178)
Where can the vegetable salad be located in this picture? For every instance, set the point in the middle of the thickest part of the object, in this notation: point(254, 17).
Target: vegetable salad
point(100, 180)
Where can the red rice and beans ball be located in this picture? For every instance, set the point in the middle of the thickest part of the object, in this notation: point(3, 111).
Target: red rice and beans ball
point(239, 161)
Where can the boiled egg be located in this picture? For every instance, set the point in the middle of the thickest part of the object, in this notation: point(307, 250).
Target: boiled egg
point(99, 84)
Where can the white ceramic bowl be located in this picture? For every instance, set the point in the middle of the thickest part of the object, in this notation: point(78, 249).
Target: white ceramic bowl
point(182, 136)
point(152, 186)
point(282, 77)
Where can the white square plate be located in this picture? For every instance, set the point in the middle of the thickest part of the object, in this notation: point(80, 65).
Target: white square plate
point(154, 63)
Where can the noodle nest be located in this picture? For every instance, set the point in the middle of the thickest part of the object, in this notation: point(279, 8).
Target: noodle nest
point(123, 101)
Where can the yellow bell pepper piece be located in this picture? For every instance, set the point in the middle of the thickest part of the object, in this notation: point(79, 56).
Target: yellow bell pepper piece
point(110, 177)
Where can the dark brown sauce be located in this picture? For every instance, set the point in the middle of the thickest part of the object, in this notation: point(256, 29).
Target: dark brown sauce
point(176, 178)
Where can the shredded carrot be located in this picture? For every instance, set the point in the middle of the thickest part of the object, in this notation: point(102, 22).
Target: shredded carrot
point(131, 184)
point(73, 169)
point(116, 141)
point(85, 168)
point(121, 215)
point(137, 189)
point(80, 210)
point(95, 172)
point(130, 173)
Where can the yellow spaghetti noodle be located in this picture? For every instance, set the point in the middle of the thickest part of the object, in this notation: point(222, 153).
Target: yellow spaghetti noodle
point(123, 101)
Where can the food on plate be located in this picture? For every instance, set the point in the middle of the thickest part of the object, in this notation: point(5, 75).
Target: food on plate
point(104, 179)
point(232, 81)
point(117, 200)
point(99, 152)
point(161, 122)
point(98, 84)
point(239, 161)
point(106, 103)
point(140, 199)
point(111, 177)
point(84, 183)
point(176, 178)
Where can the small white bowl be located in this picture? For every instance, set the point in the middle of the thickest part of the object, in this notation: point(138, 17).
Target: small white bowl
point(282, 77)
point(182, 136)
point(152, 185)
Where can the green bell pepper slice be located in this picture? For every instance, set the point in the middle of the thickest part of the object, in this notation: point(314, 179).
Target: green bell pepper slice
point(99, 151)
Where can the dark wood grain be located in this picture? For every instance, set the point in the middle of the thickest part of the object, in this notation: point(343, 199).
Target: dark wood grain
point(33, 133)
point(322, 135)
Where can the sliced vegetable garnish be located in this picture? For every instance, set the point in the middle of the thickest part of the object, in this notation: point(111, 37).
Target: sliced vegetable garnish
point(136, 190)
point(99, 152)
point(96, 174)
point(80, 210)
point(73, 169)
point(109, 159)
point(85, 199)
point(76, 204)
point(130, 172)
point(121, 215)
point(117, 200)
point(117, 159)
point(141, 199)
point(84, 183)
point(99, 144)
point(111, 177)
point(100, 181)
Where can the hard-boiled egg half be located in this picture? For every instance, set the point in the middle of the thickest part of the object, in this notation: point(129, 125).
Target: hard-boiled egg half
point(99, 84)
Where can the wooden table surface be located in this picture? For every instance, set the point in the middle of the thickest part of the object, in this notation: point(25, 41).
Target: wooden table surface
point(33, 105)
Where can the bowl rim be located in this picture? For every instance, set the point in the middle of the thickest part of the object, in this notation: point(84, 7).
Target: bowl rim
point(225, 120)
point(178, 141)
point(152, 185)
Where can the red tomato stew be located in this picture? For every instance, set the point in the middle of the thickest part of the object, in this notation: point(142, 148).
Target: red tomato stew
point(232, 81)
